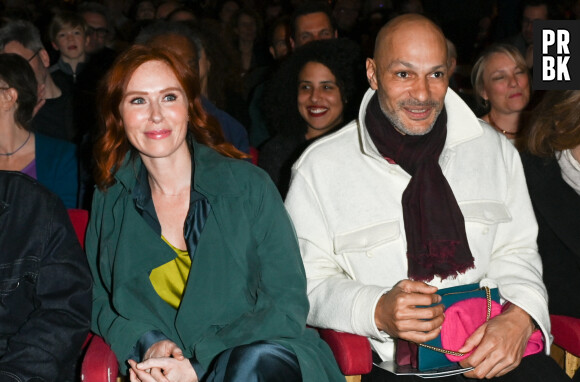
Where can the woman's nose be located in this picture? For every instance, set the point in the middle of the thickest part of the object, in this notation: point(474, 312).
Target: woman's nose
point(156, 116)
point(315, 94)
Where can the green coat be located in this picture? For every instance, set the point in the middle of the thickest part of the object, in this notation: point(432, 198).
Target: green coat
point(246, 283)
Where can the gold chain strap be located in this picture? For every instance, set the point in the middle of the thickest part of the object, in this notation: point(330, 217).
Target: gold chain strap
point(456, 353)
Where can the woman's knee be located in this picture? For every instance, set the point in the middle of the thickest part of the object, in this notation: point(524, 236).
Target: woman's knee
point(262, 361)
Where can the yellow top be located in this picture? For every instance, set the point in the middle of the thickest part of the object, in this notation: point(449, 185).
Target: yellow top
point(169, 279)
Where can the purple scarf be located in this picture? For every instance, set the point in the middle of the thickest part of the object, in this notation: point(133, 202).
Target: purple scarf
point(434, 225)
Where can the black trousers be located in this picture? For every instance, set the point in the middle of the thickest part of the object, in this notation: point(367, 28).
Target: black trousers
point(535, 368)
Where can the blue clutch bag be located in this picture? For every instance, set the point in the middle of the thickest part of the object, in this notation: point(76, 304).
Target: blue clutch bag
point(431, 355)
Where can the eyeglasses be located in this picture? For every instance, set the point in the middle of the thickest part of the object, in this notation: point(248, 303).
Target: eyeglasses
point(101, 32)
point(34, 55)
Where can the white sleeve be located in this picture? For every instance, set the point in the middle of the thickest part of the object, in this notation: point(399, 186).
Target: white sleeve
point(336, 301)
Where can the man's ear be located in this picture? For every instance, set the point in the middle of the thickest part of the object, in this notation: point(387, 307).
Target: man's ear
point(292, 43)
point(372, 74)
point(451, 65)
point(54, 46)
point(43, 54)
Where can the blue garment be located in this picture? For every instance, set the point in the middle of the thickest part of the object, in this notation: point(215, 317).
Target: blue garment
point(57, 167)
point(259, 361)
point(234, 131)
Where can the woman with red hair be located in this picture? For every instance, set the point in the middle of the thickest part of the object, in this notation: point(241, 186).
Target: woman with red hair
point(197, 270)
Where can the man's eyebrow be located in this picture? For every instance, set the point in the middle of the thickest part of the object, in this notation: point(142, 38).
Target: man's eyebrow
point(411, 66)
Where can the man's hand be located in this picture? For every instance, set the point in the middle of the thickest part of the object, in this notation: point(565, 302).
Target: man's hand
point(173, 370)
point(501, 343)
point(397, 313)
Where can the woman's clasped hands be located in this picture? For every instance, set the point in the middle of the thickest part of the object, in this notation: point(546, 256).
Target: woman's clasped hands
point(163, 362)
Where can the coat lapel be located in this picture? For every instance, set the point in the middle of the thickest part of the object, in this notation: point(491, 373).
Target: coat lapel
point(220, 265)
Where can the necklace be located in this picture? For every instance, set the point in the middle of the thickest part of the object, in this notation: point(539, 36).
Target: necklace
point(19, 148)
point(505, 132)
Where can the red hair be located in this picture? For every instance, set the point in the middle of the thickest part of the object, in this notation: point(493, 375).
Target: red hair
point(112, 144)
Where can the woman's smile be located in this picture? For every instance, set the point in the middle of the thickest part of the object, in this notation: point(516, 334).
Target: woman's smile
point(158, 134)
point(319, 99)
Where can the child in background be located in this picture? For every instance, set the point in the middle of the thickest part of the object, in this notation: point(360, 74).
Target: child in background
point(67, 32)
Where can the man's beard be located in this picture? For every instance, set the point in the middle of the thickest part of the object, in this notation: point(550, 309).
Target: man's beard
point(400, 126)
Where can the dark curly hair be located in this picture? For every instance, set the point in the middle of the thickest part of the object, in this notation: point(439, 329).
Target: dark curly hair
point(341, 56)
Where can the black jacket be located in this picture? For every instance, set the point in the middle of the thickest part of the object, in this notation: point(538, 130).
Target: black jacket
point(45, 284)
point(557, 209)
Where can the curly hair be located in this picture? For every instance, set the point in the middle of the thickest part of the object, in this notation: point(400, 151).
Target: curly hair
point(341, 56)
point(555, 123)
point(112, 145)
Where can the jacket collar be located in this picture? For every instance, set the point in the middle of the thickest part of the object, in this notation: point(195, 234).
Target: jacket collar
point(66, 68)
point(211, 176)
point(462, 124)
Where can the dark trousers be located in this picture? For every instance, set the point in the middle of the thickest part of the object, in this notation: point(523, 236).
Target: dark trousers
point(538, 367)
point(258, 362)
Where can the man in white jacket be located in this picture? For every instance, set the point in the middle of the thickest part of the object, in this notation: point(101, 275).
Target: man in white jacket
point(416, 195)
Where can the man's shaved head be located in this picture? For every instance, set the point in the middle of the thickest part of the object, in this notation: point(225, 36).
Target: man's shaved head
point(404, 25)
point(409, 72)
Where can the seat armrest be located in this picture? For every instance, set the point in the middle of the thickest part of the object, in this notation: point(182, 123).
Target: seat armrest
point(99, 363)
point(352, 352)
point(566, 332)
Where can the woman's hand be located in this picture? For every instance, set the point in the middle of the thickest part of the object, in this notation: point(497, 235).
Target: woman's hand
point(172, 370)
point(165, 348)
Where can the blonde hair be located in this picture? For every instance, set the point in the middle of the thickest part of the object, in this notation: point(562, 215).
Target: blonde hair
point(478, 68)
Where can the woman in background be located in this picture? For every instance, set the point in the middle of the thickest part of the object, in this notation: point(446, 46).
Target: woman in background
point(197, 271)
point(316, 91)
point(551, 159)
point(501, 83)
point(53, 162)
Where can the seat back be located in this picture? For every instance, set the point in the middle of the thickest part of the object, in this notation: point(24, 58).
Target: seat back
point(80, 220)
point(99, 362)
